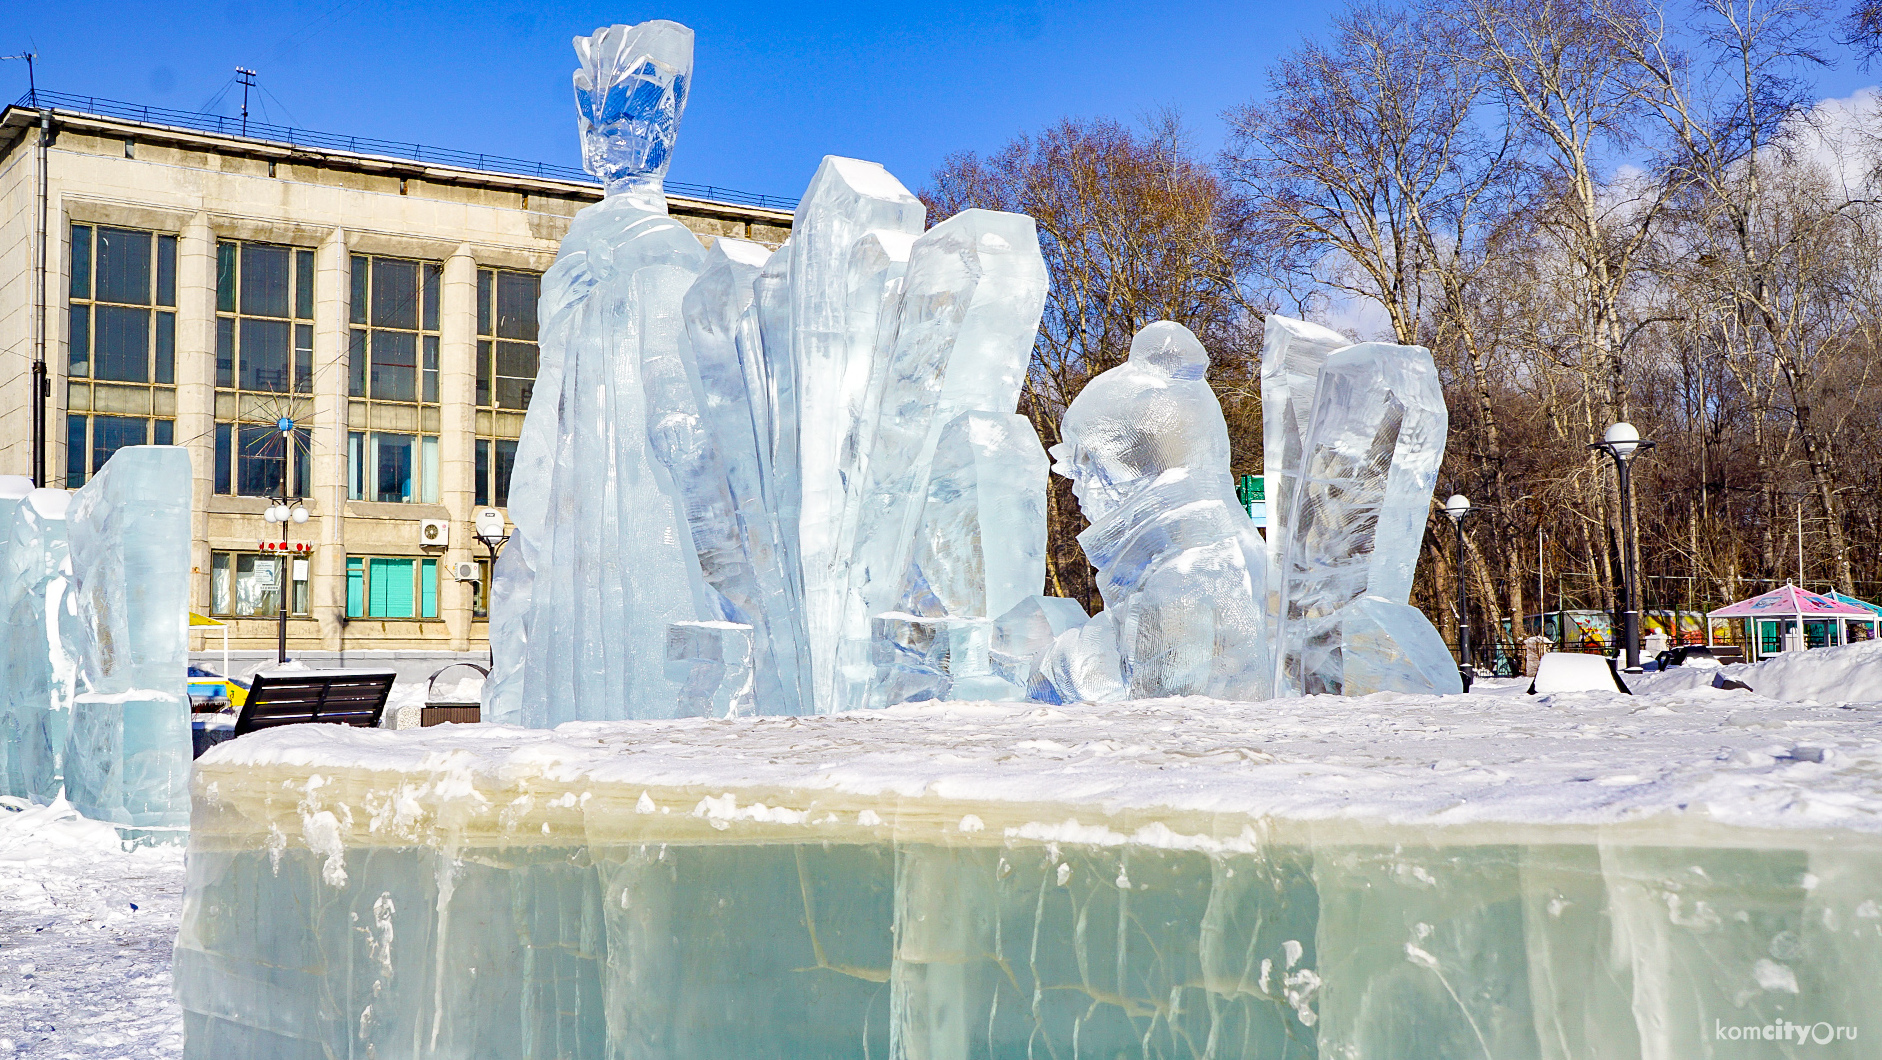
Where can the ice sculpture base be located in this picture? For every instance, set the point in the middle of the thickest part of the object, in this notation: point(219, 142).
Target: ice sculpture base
point(1393, 876)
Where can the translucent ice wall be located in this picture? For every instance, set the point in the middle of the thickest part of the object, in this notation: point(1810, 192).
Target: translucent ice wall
point(1179, 563)
point(339, 906)
point(127, 754)
point(1370, 460)
point(41, 645)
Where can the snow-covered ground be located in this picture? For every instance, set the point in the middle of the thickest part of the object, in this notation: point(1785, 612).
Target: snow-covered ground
point(86, 927)
point(85, 936)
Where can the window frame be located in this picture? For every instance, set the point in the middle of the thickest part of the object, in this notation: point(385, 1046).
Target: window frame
point(223, 565)
point(363, 570)
point(85, 303)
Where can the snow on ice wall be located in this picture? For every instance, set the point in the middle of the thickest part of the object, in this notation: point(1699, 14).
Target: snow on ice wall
point(127, 753)
point(871, 885)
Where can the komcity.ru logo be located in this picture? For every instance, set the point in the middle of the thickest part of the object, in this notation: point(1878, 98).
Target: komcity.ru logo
point(1783, 1031)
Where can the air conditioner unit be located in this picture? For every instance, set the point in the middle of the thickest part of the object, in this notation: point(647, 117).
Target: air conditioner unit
point(434, 533)
point(466, 572)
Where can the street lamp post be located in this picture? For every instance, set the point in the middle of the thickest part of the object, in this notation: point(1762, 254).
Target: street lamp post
point(1457, 507)
point(1623, 442)
point(285, 510)
point(489, 525)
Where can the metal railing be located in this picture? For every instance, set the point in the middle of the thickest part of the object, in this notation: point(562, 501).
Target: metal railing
point(362, 145)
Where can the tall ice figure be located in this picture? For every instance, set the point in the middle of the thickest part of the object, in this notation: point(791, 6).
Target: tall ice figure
point(602, 561)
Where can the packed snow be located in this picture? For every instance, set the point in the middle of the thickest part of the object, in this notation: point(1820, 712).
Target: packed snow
point(85, 934)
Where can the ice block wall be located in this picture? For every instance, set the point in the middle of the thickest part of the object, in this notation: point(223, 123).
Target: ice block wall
point(127, 753)
point(876, 886)
point(39, 650)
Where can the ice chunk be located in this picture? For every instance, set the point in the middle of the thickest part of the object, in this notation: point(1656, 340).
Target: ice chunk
point(1371, 459)
point(42, 645)
point(714, 662)
point(630, 91)
point(1179, 563)
point(982, 544)
point(1292, 352)
point(1383, 646)
point(1082, 665)
point(127, 755)
point(921, 657)
point(974, 292)
point(1026, 631)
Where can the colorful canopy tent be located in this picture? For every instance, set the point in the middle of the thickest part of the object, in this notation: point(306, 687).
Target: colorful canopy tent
point(1840, 598)
point(1793, 619)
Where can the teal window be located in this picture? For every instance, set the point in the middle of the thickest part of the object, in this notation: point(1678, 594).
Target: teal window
point(390, 587)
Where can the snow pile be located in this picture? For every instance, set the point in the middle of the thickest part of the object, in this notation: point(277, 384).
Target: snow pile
point(1849, 674)
point(85, 937)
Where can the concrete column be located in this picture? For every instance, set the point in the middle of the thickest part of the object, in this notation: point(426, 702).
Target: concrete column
point(457, 455)
point(196, 388)
point(327, 586)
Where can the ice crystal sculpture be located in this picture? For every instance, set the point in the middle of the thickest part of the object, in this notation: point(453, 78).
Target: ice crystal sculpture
point(40, 643)
point(1361, 493)
point(1179, 563)
point(794, 481)
point(734, 463)
point(127, 754)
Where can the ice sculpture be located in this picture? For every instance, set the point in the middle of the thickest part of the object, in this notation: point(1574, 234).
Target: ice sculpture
point(127, 754)
point(39, 641)
point(601, 561)
point(1354, 525)
point(1179, 564)
point(1180, 879)
point(828, 438)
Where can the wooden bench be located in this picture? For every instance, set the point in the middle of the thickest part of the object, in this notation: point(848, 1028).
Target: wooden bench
point(301, 697)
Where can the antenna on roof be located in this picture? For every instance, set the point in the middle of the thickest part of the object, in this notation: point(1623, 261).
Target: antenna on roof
point(32, 84)
point(247, 78)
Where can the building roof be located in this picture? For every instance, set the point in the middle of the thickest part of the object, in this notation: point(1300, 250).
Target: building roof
point(216, 132)
point(1790, 600)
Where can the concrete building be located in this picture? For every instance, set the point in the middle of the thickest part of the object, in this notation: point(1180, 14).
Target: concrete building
point(204, 283)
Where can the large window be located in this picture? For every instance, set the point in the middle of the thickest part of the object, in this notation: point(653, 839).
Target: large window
point(506, 374)
point(379, 587)
point(248, 584)
point(121, 345)
point(392, 448)
point(264, 367)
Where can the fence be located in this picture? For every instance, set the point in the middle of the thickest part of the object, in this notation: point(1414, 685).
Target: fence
point(305, 138)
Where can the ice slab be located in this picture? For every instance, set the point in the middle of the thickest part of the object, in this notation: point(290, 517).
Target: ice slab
point(40, 653)
point(127, 753)
point(1292, 352)
point(1398, 876)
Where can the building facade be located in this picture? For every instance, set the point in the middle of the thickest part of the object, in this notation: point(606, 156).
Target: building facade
point(351, 332)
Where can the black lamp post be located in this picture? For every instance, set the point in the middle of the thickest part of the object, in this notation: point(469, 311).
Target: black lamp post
point(1457, 507)
point(490, 525)
point(1622, 442)
point(285, 510)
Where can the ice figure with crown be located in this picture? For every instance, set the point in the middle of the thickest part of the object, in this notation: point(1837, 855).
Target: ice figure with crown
point(599, 564)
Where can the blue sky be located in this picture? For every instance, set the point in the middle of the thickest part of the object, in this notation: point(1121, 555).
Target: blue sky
point(777, 85)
